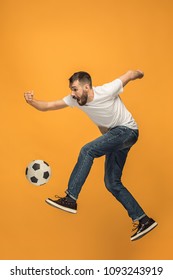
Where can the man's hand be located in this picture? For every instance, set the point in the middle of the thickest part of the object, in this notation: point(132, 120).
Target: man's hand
point(131, 75)
point(137, 74)
point(29, 96)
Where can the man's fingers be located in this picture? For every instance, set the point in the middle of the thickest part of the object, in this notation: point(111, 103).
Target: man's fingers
point(140, 74)
point(28, 95)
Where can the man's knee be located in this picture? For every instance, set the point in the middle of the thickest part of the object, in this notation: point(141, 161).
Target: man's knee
point(85, 150)
point(90, 150)
point(113, 186)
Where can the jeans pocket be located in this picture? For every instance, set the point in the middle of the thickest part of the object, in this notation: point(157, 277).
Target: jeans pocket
point(131, 139)
point(136, 133)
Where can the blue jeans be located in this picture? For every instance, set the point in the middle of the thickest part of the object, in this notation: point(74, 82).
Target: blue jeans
point(115, 145)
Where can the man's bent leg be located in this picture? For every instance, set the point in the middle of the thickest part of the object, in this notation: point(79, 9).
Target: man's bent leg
point(114, 164)
point(117, 138)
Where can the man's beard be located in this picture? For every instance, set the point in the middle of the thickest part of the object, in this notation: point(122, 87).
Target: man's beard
point(83, 99)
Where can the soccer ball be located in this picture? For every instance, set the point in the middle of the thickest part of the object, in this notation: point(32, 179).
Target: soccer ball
point(38, 172)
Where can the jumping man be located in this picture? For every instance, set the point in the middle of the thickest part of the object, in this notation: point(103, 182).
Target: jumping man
point(119, 133)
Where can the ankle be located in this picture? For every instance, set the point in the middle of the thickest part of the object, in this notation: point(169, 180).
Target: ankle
point(144, 219)
point(69, 198)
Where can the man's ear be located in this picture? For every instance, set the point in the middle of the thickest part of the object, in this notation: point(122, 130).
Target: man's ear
point(86, 86)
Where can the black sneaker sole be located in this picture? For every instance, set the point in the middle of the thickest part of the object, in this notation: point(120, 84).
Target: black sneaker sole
point(140, 235)
point(54, 204)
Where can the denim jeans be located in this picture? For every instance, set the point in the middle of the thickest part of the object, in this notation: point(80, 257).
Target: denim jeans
point(115, 145)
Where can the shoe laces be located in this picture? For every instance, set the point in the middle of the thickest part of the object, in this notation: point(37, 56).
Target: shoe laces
point(59, 197)
point(135, 225)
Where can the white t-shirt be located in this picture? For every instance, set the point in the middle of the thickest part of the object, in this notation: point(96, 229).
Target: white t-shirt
point(106, 109)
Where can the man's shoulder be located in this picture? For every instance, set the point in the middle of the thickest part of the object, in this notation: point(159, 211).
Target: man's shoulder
point(113, 87)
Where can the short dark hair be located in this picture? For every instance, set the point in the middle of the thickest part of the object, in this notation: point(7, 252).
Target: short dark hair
point(82, 77)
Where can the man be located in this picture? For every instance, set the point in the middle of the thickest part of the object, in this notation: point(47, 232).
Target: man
point(119, 133)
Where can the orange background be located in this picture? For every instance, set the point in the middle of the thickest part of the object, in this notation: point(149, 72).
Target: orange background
point(42, 44)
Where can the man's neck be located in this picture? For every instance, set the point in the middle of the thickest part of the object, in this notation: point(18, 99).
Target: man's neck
point(90, 95)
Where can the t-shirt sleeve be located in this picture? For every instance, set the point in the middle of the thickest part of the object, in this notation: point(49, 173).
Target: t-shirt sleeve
point(114, 88)
point(69, 101)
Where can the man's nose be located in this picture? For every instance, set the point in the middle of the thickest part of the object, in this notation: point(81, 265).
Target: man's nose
point(73, 95)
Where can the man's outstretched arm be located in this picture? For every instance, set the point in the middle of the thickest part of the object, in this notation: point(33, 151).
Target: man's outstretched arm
point(44, 105)
point(131, 75)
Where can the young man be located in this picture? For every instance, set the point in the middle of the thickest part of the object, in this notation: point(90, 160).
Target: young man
point(119, 133)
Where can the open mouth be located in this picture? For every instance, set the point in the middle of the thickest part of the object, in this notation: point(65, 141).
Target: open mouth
point(76, 98)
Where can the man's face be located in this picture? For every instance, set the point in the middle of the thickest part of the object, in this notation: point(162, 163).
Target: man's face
point(79, 92)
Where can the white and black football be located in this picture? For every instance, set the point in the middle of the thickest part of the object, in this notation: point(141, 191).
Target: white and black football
point(38, 172)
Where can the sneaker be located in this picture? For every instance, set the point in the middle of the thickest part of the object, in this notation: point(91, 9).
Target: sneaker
point(64, 203)
point(142, 229)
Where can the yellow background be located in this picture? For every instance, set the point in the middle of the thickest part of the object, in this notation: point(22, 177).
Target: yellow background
point(42, 44)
